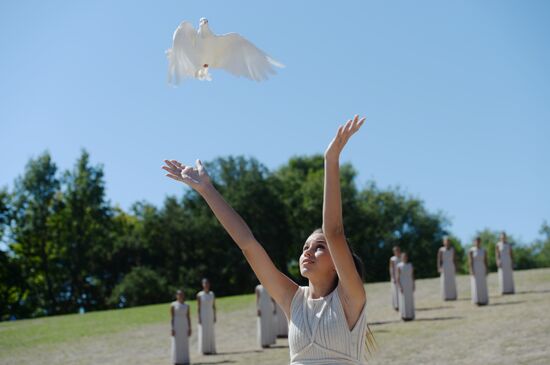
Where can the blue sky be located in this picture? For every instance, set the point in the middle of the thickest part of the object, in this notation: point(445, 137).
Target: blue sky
point(457, 96)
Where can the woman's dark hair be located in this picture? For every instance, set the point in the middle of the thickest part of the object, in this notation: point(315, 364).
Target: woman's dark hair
point(359, 266)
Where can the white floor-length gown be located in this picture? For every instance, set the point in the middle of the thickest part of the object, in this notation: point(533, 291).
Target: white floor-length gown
point(406, 297)
point(266, 330)
point(206, 338)
point(180, 341)
point(448, 280)
point(505, 271)
point(394, 289)
point(478, 280)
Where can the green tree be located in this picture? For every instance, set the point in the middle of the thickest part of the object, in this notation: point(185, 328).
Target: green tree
point(31, 240)
point(542, 247)
point(141, 286)
point(82, 226)
point(298, 185)
point(4, 212)
point(392, 218)
point(209, 251)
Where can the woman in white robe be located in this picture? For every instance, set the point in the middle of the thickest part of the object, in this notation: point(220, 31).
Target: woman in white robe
point(505, 263)
point(405, 280)
point(265, 309)
point(394, 261)
point(479, 269)
point(206, 305)
point(281, 323)
point(181, 329)
point(446, 268)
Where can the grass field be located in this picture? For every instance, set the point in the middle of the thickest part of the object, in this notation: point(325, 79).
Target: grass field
point(513, 329)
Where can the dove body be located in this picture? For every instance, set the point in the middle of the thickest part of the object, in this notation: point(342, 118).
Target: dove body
point(194, 52)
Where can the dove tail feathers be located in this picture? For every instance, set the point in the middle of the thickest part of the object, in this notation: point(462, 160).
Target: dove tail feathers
point(275, 63)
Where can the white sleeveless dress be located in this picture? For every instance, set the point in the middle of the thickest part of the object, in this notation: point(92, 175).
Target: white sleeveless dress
point(180, 342)
point(505, 271)
point(448, 280)
point(394, 288)
point(319, 333)
point(406, 298)
point(281, 323)
point(266, 325)
point(478, 280)
point(206, 338)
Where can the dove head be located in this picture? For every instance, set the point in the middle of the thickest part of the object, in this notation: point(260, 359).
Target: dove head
point(204, 30)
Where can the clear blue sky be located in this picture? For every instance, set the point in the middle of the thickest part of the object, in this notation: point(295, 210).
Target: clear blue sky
point(457, 96)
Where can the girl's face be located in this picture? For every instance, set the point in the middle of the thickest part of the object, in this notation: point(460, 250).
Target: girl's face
point(404, 258)
point(477, 243)
point(315, 260)
point(206, 285)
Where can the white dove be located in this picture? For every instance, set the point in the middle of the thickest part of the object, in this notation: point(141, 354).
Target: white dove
point(194, 52)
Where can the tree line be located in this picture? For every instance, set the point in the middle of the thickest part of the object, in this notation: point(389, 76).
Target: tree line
point(66, 248)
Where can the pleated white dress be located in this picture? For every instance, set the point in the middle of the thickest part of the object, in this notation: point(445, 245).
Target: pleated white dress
point(478, 280)
point(505, 271)
point(266, 324)
point(319, 333)
point(281, 323)
point(180, 341)
point(394, 289)
point(206, 338)
point(406, 298)
point(447, 276)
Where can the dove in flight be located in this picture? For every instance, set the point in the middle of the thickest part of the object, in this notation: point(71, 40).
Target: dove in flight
point(194, 52)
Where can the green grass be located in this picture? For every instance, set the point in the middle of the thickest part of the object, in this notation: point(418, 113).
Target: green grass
point(75, 327)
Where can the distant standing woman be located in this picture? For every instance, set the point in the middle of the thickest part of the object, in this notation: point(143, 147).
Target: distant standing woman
point(505, 263)
point(206, 305)
point(405, 280)
point(446, 268)
point(265, 308)
point(394, 260)
point(281, 323)
point(477, 258)
point(181, 329)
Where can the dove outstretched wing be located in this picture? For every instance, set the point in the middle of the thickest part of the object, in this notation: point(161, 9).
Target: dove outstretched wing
point(182, 57)
point(237, 55)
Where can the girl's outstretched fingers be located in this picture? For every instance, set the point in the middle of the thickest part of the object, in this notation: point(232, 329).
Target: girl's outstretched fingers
point(343, 134)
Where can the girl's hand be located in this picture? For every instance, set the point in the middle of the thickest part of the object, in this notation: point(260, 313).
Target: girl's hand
point(342, 136)
point(195, 177)
point(173, 333)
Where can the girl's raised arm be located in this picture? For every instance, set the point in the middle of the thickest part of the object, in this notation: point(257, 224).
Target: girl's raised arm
point(333, 227)
point(279, 286)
